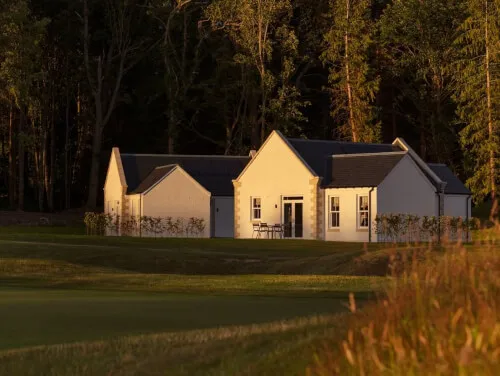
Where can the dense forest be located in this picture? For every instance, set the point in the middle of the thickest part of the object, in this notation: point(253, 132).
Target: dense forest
point(78, 77)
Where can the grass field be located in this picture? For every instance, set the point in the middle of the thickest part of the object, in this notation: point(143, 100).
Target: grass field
point(185, 306)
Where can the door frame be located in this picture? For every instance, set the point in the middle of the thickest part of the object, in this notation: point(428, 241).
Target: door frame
point(295, 200)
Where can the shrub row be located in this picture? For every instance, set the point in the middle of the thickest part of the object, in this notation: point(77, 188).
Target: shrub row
point(412, 228)
point(106, 224)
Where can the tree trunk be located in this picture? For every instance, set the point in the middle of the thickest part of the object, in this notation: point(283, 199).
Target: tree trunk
point(20, 196)
point(491, 131)
point(96, 156)
point(172, 128)
point(12, 159)
point(393, 115)
point(352, 122)
point(423, 139)
point(67, 179)
point(50, 190)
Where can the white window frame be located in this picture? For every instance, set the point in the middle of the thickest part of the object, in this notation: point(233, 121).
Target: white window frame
point(334, 211)
point(363, 211)
point(254, 208)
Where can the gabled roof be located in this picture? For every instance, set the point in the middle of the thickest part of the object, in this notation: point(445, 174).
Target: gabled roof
point(214, 173)
point(154, 177)
point(317, 152)
point(362, 170)
point(454, 185)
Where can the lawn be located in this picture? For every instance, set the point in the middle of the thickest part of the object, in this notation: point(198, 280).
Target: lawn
point(184, 305)
point(33, 317)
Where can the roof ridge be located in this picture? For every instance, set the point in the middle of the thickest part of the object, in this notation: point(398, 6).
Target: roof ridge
point(165, 166)
point(336, 141)
point(368, 154)
point(186, 155)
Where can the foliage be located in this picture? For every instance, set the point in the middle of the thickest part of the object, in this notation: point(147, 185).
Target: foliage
point(478, 94)
point(353, 85)
point(412, 228)
point(416, 39)
point(438, 317)
point(215, 77)
point(106, 224)
point(97, 223)
point(259, 29)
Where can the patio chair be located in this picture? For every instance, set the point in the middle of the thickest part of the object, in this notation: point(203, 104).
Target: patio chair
point(264, 229)
point(256, 230)
point(278, 230)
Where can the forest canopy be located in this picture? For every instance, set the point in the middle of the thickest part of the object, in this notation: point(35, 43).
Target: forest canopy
point(217, 76)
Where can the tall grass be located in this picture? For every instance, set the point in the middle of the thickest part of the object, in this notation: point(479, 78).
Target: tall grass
point(439, 316)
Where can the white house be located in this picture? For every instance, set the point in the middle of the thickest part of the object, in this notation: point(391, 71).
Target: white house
point(333, 190)
point(176, 186)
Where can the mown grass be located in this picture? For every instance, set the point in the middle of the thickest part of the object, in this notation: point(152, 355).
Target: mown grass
point(203, 256)
point(57, 274)
point(440, 316)
point(91, 291)
point(279, 348)
point(32, 317)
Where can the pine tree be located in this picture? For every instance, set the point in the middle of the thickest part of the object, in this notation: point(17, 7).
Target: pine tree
point(478, 96)
point(352, 85)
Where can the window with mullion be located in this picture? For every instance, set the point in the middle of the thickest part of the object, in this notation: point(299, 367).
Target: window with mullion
point(363, 212)
point(256, 208)
point(334, 212)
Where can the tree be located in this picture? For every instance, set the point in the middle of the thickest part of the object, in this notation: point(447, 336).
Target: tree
point(352, 84)
point(19, 70)
point(182, 57)
point(107, 61)
point(478, 97)
point(258, 28)
point(417, 43)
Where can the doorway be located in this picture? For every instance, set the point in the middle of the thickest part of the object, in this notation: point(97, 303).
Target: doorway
point(293, 217)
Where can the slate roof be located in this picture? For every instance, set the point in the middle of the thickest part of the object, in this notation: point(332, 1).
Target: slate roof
point(362, 170)
point(154, 177)
point(316, 153)
point(214, 173)
point(454, 185)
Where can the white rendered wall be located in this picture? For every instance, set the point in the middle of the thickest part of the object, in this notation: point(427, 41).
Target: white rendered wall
point(113, 192)
point(457, 206)
point(407, 190)
point(349, 230)
point(178, 196)
point(274, 173)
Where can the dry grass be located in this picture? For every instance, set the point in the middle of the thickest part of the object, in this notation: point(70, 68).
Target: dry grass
point(440, 316)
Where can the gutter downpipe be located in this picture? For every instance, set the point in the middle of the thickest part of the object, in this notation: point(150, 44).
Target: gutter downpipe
point(441, 195)
point(140, 215)
point(467, 216)
point(370, 214)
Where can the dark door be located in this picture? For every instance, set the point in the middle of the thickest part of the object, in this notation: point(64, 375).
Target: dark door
point(299, 232)
point(287, 220)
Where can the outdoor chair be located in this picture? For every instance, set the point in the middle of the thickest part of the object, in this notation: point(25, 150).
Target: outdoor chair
point(278, 230)
point(256, 230)
point(264, 229)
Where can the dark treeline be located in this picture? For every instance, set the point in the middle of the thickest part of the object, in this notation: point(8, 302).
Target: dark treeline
point(217, 76)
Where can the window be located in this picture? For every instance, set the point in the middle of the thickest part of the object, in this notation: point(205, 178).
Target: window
point(256, 208)
point(363, 215)
point(334, 212)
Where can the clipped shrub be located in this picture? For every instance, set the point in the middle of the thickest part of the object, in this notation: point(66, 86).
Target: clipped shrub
point(412, 228)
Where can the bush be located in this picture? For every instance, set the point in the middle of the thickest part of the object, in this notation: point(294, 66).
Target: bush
point(399, 228)
point(105, 224)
